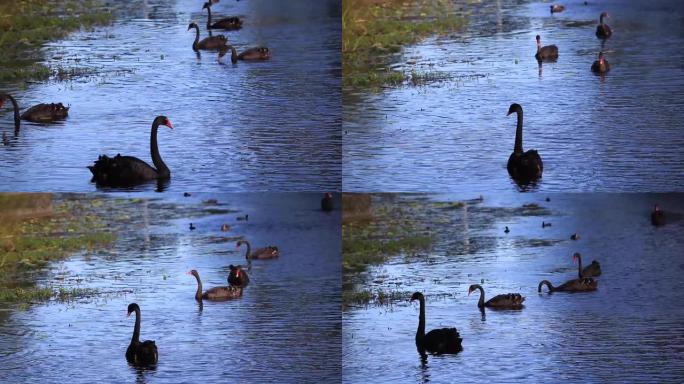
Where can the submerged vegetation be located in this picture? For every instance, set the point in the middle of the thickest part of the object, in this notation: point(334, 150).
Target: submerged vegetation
point(26, 25)
point(373, 30)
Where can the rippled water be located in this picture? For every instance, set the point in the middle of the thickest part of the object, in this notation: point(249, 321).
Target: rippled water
point(252, 126)
point(630, 330)
point(620, 132)
point(286, 325)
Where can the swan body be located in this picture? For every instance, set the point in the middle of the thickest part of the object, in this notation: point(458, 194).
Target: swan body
point(603, 31)
point(504, 301)
point(527, 166)
point(437, 341)
point(140, 353)
point(211, 43)
point(591, 270)
point(586, 284)
point(601, 65)
point(228, 23)
point(269, 252)
point(216, 293)
point(41, 113)
point(657, 216)
point(237, 277)
point(549, 52)
point(251, 54)
point(128, 170)
point(327, 202)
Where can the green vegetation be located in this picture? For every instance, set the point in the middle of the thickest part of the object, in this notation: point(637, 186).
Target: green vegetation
point(372, 235)
point(34, 231)
point(26, 25)
point(377, 297)
point(373, 30)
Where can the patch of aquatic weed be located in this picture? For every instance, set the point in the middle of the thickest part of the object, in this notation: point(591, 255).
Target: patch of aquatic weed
point(26, 25)
point(371, 233)
point(373, 31)
point(424, 78)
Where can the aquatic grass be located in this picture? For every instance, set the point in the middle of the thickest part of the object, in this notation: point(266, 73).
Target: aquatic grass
point(377, 297)
point(26, 25)
point(373, 31)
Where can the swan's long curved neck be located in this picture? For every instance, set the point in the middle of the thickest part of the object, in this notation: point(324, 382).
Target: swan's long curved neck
point(136, 330)
point(420, 332)
point(548, 284)
point(519, 134)
point(579, 265)
point(209, 18)
point(198, 294)
point(601, 20)
point(196, 43)
point(248, 254)
point(233, 55)
point(16, 112)
point(162, 169)
point(481, 302)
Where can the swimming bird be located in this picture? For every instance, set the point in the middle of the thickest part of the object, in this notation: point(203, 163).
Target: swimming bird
point(601, 65)
point(523, 167)
point(140, 353)
point(503, 301)
point(549, 52)
point(211, 43)
point(437, 341)
point(657, 216)
point(603, 31)
point(128, 170)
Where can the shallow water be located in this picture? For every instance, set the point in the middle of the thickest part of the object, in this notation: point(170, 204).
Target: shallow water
point(630, 330)
point(248, 127)
point(619, 132)
point(286, 325)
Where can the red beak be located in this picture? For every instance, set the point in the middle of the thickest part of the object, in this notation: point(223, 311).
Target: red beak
point(128, 315)
point(168, 123)
point(237, 273)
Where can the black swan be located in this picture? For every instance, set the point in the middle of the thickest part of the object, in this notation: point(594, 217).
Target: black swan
point(270, 252)
point(128, 170)
point(507, 230)
point(576, 285)
point(41, 113)
point(557, 8)
point(603, 31)
point(237, 276)
point(575, 236)
point(228, 23)
point(591, 270)
point(216, 293)
point(657, 216)
point(601, 65)
point(437, 341)
point(327, 202)
point(140, 353)
point(549, 52)
point(505, 301)
point(251, 54)
point(210, 43)
point(523, 166)
point(225, 228)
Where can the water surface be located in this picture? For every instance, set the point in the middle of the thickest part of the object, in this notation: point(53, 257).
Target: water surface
point(252, 126)
point(619, 132)
point(630, 330)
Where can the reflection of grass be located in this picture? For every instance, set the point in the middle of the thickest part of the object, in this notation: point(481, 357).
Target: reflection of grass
point(26, 25)
point(373, 29)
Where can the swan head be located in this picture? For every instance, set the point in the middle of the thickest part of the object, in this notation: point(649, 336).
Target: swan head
point(417, 296)
point(193, 273)
point(192, 25)
point(472, 288)
point(132, 307)
point(239, 243)
point(163, 120)
point(576, 256)
point(206, 5)
point(604, 14)
point(514, 108)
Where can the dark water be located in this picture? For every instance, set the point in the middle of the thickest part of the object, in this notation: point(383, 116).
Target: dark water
point(286, 325)
point(630, 330)
point(620, 132)
point(254, 126)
